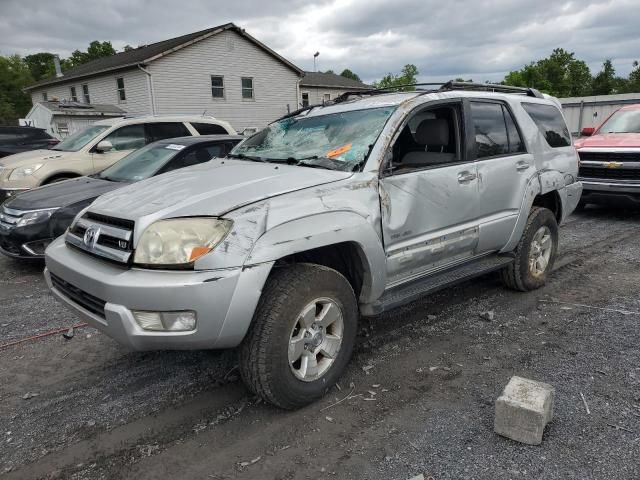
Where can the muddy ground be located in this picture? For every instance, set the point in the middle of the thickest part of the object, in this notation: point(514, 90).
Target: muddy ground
point(425, 405)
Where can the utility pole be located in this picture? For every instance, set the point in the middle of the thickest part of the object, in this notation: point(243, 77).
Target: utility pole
point(315, 56)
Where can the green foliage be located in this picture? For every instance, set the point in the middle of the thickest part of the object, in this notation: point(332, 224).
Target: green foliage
point(346, 73)
point(96, 50)
point(14, 76)
point(40, 65)
point(560, 74)
point(407, 76)
point(633, 83)
point(330, 71)
point(604, 83)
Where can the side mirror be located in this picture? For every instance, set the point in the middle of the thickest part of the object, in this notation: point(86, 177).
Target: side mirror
point(587, 131)
point(104, 146)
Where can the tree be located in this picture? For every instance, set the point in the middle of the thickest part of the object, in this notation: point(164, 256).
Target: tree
point(95, 50)
point(560, 74)
point(605, 81)
point(346, 73)
point(633, 83)
point(128, 48)
point(14, 76)
point(40, 65)
point(407, 76)
point(330, 71)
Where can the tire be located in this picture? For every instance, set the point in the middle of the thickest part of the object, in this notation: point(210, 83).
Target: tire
point(521, 274)
point(265, 354)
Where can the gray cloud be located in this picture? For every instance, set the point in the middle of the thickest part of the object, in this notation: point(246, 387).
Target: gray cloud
point(481, 39)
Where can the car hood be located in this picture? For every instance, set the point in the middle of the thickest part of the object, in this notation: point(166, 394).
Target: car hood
point(610, 140)
point(29, 158)
point(63, 193)
point(213, 188)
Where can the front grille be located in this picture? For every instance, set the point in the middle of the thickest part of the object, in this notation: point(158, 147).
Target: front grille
point(79, 296)
point(609, 173)
point(110, 238)
point(9, 217)
point(610, 156)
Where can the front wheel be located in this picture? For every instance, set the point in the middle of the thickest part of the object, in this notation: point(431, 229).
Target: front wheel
point(535, 253)
point(302, 335)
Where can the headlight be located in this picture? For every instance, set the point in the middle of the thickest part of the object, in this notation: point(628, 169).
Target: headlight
point(180, 241)
point(22, 172)
point(35, 217)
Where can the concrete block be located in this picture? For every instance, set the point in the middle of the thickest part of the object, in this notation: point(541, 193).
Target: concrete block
point(523, 410)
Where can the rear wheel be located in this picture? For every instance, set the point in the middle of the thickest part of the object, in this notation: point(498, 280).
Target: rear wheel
point(535, 253)
point(302, 335)
point(57, 180)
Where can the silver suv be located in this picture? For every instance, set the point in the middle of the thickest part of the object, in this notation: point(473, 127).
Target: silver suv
point(335, 211)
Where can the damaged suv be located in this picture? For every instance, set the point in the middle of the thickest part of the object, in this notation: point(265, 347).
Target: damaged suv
point(335, 211)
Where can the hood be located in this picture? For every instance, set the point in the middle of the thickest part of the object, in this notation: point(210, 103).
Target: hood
point(212, 188)
point(29, 158)
point(63, 193)
point(610, 140)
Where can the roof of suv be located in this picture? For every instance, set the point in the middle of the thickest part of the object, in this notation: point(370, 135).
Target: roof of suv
point(161, 118)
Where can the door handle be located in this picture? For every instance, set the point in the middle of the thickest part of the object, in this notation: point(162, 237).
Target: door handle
point(466, 177)
point(522, 166)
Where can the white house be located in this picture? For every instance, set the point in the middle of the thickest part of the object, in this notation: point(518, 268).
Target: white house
point(61, 119)
point(318, 87)
point(222, 71)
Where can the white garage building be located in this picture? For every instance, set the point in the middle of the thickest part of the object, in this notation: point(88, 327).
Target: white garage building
point(583, 112)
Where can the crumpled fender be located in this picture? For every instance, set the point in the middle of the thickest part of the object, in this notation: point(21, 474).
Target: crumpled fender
point(321, 230)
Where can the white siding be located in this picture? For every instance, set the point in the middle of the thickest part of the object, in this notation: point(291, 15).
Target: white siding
point(103, 89)
point(316, 94)
point(595, 109)
point(182, 81)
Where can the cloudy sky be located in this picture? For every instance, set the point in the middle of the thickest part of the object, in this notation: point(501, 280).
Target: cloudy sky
point(479, 39)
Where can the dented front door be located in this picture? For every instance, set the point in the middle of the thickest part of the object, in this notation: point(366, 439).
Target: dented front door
point(429, 219)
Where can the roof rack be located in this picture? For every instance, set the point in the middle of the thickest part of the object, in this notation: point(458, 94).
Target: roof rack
point(444, 87)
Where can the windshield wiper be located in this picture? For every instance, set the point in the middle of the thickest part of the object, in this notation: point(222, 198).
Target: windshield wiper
point(242, 156)
point(322, 162)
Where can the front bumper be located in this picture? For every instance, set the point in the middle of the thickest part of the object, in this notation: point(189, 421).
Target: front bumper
point(28, 242)
point(224, 300)
point(570, 196)
point(611, 192)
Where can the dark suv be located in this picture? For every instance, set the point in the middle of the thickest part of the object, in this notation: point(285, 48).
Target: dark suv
point(21, 139)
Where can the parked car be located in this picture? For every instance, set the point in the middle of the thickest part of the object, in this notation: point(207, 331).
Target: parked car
point(610, 159)
point(97, 147)
point(351, 208)
point(31, 220)
point(22, 139)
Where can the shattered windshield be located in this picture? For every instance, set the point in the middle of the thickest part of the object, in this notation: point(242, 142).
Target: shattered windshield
point(337, 141)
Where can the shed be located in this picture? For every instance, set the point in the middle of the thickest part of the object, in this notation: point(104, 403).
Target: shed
point(591, 111)
point(62, 119)
point(319, 87)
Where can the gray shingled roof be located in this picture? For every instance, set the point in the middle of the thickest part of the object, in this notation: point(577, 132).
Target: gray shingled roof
point(76, 108)
point(147, 53)
point(331, 80)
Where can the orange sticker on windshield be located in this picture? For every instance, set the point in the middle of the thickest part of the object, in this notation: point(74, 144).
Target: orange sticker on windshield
point(339, 151)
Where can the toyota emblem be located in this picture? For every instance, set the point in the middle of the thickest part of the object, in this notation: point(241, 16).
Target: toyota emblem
point(91, 237)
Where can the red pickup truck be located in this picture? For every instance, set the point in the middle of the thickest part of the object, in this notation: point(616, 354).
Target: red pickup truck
point(610, 159)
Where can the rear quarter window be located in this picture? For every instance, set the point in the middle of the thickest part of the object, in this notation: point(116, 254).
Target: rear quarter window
point(550, 123)
point(209, 129)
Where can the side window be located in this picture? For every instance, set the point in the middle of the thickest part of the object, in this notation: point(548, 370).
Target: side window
point(431, 138)
point(127, 138)
point(490, 129)
point(209, 129)
point(550, 123)
point(196, 156)
point(516, 145)
point(160, 131)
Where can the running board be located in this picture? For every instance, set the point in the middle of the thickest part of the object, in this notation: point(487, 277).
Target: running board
point(413, 290)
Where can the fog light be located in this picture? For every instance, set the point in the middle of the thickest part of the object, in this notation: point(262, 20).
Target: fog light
point(166, 321)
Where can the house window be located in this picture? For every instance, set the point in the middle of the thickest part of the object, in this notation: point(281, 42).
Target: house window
point(74, 95)
point(326, 97)
point(85, 93)
point(44, 96)
point(305, 99)
point(122, 97)
point(247, 88)
point(217, 86)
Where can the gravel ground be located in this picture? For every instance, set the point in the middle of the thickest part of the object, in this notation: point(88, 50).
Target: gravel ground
point(425, 406)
